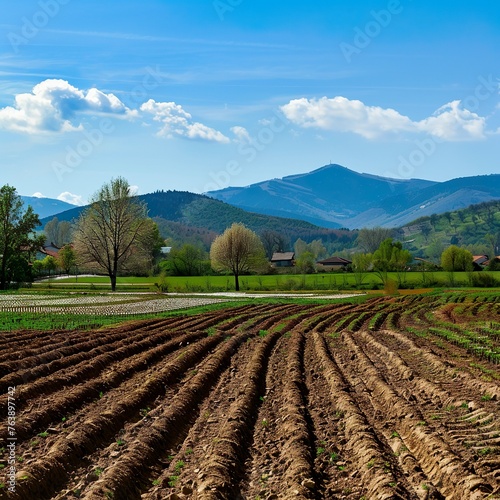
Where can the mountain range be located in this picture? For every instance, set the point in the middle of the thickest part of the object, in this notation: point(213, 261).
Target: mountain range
point(45, 207)
point(334, 196)
point(308, 206)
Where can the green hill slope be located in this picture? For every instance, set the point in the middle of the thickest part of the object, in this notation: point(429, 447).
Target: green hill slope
point(476, 227)
point(185, 216)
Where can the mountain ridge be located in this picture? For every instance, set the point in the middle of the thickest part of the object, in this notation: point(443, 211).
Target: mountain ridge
point(46, 207)
point(202, 214)
point(335, 196)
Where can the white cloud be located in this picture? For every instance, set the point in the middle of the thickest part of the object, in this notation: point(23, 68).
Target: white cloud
point(133, 190)
point(55, 106)
point(454, 123)
point(241, 134)
point(74, 199)
point(38, 195)
point(450, 122)
point(178, 122)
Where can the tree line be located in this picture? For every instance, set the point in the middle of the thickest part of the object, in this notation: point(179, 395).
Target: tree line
point(115, 236)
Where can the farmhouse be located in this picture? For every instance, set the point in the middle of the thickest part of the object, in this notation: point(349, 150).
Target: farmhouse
point(283, 259)
point(333, 264)
point(479, 262)
point(50, 250)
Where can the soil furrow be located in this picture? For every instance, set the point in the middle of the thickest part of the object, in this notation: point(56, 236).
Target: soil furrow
point(296, 451)
point(113, 374)
point(443, 467)
point(220, 475)
point(362, 445)
point(122, 479)
point(48, 473)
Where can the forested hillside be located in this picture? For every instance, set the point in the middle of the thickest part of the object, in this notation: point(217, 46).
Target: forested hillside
point(188, 217)
point(476, 227)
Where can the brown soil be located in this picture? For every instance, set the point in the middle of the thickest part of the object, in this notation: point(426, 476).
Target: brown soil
point(286, 401)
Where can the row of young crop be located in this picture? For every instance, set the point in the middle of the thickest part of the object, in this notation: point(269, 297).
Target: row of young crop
point(479, 337)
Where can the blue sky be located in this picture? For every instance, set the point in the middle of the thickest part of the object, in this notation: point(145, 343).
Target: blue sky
point(199, 95)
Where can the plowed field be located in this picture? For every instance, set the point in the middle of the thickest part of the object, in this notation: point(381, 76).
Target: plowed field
point(394, 398)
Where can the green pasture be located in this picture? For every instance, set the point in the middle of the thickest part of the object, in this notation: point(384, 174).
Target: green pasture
point(272, 283)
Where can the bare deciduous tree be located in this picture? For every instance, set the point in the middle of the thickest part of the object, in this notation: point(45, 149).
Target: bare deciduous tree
point(273, 242)
point(114, 233)
point(238, 250)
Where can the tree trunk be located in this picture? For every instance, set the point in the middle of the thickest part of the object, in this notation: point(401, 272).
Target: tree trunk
point(236, 282)
point(112, 277)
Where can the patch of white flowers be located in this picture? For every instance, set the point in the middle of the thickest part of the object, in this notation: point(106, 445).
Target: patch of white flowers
point(98, 305)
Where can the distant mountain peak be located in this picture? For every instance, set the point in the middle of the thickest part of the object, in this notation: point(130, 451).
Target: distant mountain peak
point(46, 207)
point(334, 195)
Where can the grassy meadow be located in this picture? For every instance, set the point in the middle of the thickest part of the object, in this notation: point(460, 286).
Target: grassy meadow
point(326, 282)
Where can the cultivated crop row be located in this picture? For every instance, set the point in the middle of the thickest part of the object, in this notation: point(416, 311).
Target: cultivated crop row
point(261, 402)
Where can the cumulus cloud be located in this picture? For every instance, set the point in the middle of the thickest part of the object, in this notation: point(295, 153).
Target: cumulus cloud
point(55, 106)
point(241, 134)
point(454, 123)
point(38, 195)
point(74, 199)
point(175, 121)
point(450, 122)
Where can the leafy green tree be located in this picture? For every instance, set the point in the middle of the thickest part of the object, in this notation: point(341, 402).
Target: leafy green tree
point(494, 264)
point(49, 263)
point(188, 260)
point(114, 233)
point(361, 264)
point(426, 229)
point(17, 238)
point(50, 230)
point(238, 250)
point(37, 267)
point(456, 259)
point(390, 256)
point(300, 247)
point(434, 250)
point(58, 232)
point(316, 248)
point(306, 263)
point(66, 258)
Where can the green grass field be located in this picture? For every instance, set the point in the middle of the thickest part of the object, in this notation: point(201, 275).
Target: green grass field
point(272, 283)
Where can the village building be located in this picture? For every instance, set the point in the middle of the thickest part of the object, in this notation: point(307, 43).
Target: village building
point(283, 259)
point(333, 264)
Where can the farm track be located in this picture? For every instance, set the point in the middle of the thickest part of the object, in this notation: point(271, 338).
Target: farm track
point(260, 402)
